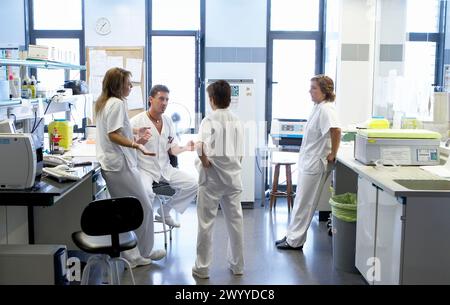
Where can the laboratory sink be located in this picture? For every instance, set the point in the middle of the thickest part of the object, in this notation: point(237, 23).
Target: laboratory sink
point(429, 185)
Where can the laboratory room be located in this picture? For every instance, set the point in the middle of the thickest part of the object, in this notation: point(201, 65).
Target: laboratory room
point(218, 142)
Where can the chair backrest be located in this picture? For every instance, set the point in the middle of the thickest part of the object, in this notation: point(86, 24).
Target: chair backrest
point(112, 216)
point(173, 160)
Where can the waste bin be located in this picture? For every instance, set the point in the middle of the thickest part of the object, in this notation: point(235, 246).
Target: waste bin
point(343, 209)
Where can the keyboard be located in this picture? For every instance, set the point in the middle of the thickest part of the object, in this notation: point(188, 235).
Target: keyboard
point(61, 174)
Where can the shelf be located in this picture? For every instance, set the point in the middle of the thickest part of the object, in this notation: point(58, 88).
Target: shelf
point(35, 63)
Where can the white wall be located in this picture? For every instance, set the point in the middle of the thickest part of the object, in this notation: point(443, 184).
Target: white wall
point(12, 23)
point(355, 78)
point(127, 22)
point(236, 23)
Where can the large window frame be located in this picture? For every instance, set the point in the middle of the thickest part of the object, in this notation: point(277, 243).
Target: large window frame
point(439, 39)
point(318, 36)
point(32, 34)
point(199, 53)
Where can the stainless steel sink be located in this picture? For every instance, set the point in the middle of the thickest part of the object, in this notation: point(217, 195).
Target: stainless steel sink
point(430, 185)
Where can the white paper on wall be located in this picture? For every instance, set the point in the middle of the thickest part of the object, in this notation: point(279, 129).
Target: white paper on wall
point(114, 61)
point(134, 65)
point(135, 100)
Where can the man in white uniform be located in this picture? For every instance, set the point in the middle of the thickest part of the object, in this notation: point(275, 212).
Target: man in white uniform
point(316, 159)
point(164, 142)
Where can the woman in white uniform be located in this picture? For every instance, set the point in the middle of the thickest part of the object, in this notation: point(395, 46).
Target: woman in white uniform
point(317, 156)
point(220, 151)
point(116, 151)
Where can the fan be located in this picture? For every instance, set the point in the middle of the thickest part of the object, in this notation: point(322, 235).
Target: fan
point(180, 116)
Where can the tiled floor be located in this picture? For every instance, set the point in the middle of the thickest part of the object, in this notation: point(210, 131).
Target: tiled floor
point(264, 264)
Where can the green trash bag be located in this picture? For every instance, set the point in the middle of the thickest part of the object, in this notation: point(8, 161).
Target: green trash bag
point(343, 206)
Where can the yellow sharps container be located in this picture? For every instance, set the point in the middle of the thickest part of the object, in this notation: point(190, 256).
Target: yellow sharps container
point(62, 129)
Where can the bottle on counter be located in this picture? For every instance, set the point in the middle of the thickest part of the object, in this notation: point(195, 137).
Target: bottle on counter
point(32, 86)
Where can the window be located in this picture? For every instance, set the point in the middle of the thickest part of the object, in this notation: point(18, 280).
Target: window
point(408, 68)
point(176, 49)
point(58, 23)
point(294, 15)
point(294, 45)
point(180, 15)
point(57, 15)
point(54, 78)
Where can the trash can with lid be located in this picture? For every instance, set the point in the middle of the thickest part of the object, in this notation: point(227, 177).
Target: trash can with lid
point(343, 209)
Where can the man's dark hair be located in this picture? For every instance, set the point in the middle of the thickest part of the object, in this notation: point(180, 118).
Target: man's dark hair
point(158, 88)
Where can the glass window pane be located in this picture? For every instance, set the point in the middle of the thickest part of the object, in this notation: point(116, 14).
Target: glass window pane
point(57, 15)
point(173, 65)
point(294, 15)
point(420, 59)
point(54, 79)
point(176, 15)
point(293, 67)
point(422, 16)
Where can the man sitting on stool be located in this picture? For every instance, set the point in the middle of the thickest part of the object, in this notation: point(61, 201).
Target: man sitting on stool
point(164, 142)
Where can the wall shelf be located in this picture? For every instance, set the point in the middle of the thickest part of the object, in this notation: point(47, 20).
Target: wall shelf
point(35, 63)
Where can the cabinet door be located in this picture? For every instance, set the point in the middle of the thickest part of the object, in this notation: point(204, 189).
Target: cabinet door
point(17, 226)
point(388, 238)
point(3, 222)
point(365, 228)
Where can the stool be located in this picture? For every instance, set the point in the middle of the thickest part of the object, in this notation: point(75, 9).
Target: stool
point(275, 193)
point(163, 191)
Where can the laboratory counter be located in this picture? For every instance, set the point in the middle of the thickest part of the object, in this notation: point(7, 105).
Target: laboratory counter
point(401, 230)
point(421, 182)
point(50, 211)
point(47, 191)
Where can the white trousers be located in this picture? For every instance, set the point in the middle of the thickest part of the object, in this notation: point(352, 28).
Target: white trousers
point(309, 189)
point(127, 182)
point(184, 185)
point(208, 200)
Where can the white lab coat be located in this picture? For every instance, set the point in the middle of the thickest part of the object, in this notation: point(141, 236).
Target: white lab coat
point(220, 184)
point(313, 170)
point(119, 167)
point(158, 168)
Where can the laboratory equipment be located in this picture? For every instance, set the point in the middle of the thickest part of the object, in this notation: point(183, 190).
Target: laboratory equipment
point(397, 146)
point(20, 161)
point(287, 132)
point(33, 265)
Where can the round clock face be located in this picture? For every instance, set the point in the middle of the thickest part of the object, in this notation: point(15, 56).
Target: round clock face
point(103, 26)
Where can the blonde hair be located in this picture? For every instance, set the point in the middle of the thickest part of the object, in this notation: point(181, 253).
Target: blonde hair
point(326, 85)
point(113, 85)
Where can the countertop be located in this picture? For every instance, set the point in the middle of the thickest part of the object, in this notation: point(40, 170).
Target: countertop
point(383, 177)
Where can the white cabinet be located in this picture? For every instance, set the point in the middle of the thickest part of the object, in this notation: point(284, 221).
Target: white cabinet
point(388, 238)
point(365, 228)
point(379, 230)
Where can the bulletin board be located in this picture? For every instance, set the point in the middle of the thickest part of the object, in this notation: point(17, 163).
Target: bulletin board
point(100, 59)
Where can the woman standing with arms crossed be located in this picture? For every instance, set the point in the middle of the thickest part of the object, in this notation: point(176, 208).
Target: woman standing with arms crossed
point(116, 147)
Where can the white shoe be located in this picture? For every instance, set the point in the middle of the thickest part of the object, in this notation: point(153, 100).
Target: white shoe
point(199, 274)
point(168, 220)
point(236, 271)
point(157, 254)
point(140, 261)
